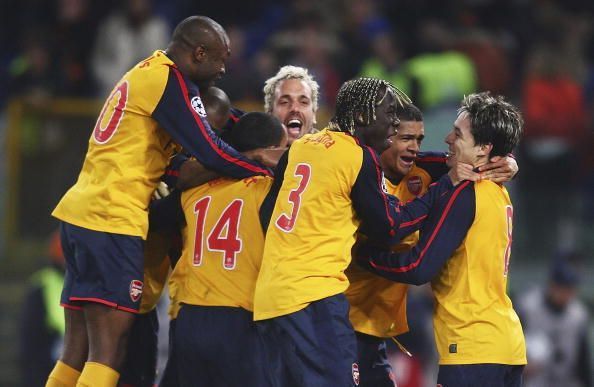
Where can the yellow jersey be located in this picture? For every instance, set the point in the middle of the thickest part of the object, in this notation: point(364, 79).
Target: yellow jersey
point(222, 243)
point(378, 305)
point(150, 109)
point(474, 320)
point(329, 187)
point(464, 250)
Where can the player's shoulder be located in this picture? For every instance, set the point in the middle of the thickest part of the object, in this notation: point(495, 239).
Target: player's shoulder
point(150, 72)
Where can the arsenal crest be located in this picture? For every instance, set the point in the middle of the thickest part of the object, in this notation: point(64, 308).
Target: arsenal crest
point(356, 373)
point(135, 290)
point(414, 185)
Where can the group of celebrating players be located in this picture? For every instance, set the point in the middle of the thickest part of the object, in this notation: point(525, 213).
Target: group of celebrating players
point(287, 250)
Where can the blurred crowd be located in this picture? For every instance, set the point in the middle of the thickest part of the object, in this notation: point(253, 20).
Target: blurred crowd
point(538, 53)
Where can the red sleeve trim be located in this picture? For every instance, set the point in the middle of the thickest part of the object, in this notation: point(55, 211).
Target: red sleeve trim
point(439, 224)
point(204, 133)
point(413, 222)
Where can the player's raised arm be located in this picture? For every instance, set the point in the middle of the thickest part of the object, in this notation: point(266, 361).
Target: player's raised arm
point(384, 219)
point(182, 113)
point(442, 233)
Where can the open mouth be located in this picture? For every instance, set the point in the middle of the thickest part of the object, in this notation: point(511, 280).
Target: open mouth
point(294, 126)
point(407, 160)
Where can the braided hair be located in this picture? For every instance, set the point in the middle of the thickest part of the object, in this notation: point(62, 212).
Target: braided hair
point(361, 96)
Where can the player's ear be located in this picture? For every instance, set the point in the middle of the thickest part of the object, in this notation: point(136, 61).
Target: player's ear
point(485, 149)
point(200, 53)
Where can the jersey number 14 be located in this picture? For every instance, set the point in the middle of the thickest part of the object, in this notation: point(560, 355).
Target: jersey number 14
point(224, 235)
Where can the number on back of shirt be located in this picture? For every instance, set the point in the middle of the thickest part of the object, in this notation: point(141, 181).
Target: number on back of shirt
point(111, 114)
point(223, 237)
point(286, 222)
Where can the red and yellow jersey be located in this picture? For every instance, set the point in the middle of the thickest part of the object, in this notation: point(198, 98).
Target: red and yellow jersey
point(223, 243)
point(464, 250)
point(329, 185)
point(474, 320)
point(150, 108)
point(378, 305)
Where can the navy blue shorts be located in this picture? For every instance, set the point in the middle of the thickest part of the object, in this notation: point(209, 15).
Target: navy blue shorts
point(101, 267)
point(316, 346)
point(218, 346)
point(140, 365)
point(483, 375)
point(169, 378)
point(373, 362)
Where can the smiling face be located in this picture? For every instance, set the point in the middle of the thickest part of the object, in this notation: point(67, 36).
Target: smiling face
point(293, 106)
point(461, 145)
point(398, 160)
point(378, 133)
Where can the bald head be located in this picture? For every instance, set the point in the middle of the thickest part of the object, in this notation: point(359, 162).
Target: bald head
point(218, 107)
point(199, 47)
point(199, 30)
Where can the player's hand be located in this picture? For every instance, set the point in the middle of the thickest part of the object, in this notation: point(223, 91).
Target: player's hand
point(161, 191)
point(268, 157)
point(462, 171)
point(499, 169)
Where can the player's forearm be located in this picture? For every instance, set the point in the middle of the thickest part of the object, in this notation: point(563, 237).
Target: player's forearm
point(442, 233)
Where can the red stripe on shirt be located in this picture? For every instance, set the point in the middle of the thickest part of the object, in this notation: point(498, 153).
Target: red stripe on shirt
point(439, 224)
point(380, 182)
point(214, 146)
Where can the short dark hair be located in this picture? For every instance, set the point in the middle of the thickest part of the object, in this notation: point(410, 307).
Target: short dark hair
point(409, 112)
point(360, 96)
point(254, 130)
point(493, 121)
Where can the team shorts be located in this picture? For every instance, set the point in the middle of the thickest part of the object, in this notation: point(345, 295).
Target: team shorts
point(101, 267)
point(373, 362)
point(484, 375)
point(316, 346)
point(218, 346)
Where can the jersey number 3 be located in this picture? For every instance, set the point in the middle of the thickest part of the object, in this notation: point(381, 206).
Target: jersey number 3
point(107, 125)
point(224, 235)
point(509, 214)
point(286, 222)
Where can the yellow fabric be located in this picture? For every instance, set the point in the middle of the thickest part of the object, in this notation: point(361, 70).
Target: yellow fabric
point(156, 270)
point(473, 316)
point(120, 174)
point(378, 306)
point(62, 376)
point(308, 263)
point(97, 375)
point(208, 282)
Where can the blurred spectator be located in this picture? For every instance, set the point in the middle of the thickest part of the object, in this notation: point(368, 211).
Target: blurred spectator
point(125, 38)
point(555, 324)
point(74, 35)
point(440, 76)
point(42, 320)
point(554, 133)
point(30, 72)
point(386, 61)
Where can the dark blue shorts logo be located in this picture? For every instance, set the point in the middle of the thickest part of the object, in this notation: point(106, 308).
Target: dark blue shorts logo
point(135, 290)
point(356, 374)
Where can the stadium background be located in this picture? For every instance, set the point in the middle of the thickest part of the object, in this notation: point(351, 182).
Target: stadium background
point(59, 58)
